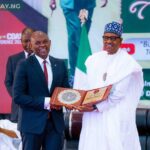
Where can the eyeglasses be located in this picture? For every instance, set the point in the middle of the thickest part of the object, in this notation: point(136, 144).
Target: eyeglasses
point(111, 38)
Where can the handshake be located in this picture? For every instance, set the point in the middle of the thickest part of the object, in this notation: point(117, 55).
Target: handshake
point(80, 100)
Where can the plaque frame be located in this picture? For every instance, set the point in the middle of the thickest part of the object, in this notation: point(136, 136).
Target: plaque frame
point(58, 93)
point(73, 98)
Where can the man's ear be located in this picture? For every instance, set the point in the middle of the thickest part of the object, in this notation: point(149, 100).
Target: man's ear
point(50, 43)
point(121, 39)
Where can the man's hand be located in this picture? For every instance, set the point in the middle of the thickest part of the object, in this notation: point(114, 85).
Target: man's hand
point(83, 15)
point(52, 5)
point(55, 107)
point(85, 108)
point(9, 133)
point(70, 107)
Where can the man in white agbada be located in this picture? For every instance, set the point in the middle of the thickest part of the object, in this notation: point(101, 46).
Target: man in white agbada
point(112, 126)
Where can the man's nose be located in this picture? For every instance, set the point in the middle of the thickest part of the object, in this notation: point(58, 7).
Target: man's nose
point(28, 44)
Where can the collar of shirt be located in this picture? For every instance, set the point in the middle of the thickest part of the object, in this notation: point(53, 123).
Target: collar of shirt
point(40, 60)
point(26, 54)
point(49, 69)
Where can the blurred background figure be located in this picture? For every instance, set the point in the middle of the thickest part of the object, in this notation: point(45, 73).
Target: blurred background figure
point(72, 10)
point(12, 62)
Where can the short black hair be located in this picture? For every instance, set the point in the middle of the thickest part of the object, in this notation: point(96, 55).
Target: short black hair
point(25, 29)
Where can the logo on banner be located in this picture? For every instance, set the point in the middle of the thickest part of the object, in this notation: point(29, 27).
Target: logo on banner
point(10, 5)
point(139, 7)
point(146, 90)
point(138, 47)
point(10, 38)
point(129, 47)
point(135, 16)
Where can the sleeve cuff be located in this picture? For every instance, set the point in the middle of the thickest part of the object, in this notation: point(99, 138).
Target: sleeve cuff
point(47, 103)
point(102, 106)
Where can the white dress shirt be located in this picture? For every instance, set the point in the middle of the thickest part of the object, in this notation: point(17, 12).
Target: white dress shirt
point(50, 78)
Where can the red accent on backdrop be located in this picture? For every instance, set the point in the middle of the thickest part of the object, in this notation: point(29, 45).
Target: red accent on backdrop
point(9, 25)
point(129, 46)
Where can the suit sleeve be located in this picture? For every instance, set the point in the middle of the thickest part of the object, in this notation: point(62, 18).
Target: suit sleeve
point(20, 89)
point(9, 76)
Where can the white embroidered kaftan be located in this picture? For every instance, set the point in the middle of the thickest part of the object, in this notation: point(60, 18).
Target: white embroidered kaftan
point(114, 126)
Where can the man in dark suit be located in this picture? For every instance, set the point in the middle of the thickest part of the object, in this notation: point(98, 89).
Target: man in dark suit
point(11, 68)
point(72, 10)
point(36, 77)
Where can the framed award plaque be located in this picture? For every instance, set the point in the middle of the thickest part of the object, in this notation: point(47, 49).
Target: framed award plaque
point(96, 95)
point(74, 98)
point(67, 96)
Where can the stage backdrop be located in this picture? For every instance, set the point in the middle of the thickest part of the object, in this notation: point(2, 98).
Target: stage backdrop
point(132, 13)
point(36, 14)
point(12, 23)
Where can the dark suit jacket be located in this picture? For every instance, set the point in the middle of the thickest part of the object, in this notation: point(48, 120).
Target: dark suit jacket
point(30, 90)
point(9, 79)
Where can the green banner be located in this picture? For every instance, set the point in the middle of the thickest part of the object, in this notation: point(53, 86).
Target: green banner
point(136, 16)
point(146, 91)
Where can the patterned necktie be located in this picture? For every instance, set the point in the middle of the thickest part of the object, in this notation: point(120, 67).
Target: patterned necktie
point(45, 70)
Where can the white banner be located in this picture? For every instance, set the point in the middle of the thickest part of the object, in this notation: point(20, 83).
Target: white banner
point(142, 48)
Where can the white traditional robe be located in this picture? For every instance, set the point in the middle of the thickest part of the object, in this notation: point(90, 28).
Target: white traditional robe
point(114, 126)
point(6, 142)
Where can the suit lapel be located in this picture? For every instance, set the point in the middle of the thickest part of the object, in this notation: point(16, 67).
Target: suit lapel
point(22, 55)
point(54, 70)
